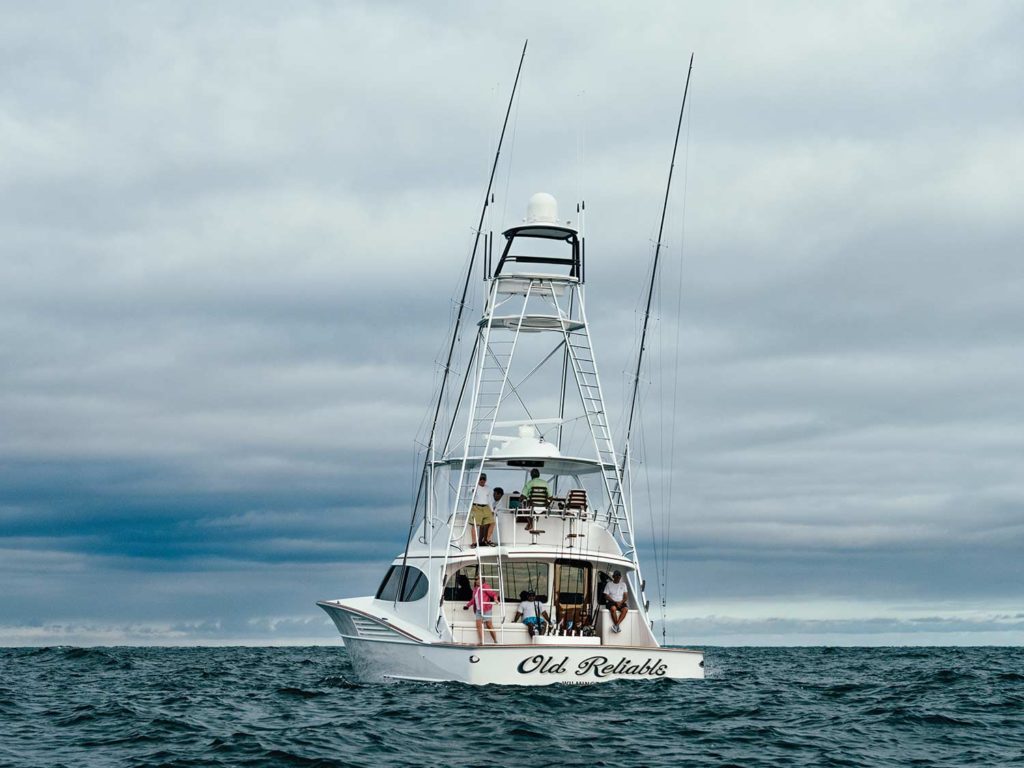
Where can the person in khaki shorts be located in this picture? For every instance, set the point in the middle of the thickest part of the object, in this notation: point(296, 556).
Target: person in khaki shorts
point(481, 514)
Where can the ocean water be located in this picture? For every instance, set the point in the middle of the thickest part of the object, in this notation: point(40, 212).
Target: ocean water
point(300, 707)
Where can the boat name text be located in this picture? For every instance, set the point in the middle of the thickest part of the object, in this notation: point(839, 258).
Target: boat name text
point(598, 666)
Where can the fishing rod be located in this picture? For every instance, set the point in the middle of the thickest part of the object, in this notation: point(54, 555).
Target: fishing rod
point(462, 306)
point(654, 271)
point(650, 298)
point(476, 243)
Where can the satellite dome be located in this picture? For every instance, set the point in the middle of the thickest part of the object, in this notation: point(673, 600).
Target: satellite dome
point(542, 209)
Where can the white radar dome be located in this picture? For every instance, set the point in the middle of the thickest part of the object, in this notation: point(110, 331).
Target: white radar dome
point(542, 209)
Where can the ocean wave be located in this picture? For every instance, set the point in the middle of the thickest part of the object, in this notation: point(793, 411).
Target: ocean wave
point(280, 707)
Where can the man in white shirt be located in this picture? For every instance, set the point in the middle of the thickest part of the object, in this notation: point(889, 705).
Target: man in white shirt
point(481, 514)
point(616, 593)
point(531, 611)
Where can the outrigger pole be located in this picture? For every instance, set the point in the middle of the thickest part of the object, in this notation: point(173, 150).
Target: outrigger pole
point(654, 273)
point(462, 306)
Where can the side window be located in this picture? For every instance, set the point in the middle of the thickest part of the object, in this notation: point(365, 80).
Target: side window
point(389, 587)
point(415, 586)
point(409, 582)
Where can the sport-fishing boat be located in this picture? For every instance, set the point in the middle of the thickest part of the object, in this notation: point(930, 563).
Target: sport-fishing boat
point(561, 539)
point(528, 418)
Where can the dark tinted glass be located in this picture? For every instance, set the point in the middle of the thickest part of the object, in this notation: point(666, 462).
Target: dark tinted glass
point(518, 577)
point(521, 577)
point(389, 587)
point(573, 580)
point(413, 587)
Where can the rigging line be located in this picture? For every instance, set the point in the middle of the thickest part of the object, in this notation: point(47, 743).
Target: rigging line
point(564, 381)
point(574, 419)
point(456, 310)
point(537, 367)
point(465, 291)
point(642, 439)
point(511, 152)
point(511, 386)
point(657, 253)
point(660, 331)
point(462, 394)
point(679, 321)
point(476, 237)
point(630, 381)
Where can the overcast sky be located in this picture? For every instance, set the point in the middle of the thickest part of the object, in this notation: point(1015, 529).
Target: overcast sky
point(231, 235)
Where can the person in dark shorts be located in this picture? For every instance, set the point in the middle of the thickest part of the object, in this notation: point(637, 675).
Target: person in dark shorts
point(532, 612)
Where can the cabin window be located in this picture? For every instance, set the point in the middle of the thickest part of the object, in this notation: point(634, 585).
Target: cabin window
point(404, 583)
point(518, 577)
point(522, 577)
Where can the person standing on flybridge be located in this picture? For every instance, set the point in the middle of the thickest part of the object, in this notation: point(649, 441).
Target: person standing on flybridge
point(482, 514)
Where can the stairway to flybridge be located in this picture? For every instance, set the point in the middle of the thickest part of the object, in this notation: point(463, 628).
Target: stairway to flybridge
point(584, 367)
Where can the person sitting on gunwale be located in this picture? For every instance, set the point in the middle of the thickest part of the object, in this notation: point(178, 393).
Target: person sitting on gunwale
point(532, 612)
point(616, 592)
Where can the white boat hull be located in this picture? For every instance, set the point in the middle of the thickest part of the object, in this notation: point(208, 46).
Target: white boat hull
point(394, 656)
point(376, 660)
point(382, 661)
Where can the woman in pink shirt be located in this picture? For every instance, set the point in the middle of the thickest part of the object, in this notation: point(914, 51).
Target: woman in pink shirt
point(483, 602)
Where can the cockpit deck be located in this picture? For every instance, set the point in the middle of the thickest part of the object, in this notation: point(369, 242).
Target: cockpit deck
point(463, 628)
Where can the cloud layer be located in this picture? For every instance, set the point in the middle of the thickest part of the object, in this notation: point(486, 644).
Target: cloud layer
point(231, 237)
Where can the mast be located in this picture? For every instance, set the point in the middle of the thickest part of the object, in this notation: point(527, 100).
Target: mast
point(654, 271)
point(458, 318)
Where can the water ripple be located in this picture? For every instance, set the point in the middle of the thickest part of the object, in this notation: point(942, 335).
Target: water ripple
point(177, 707)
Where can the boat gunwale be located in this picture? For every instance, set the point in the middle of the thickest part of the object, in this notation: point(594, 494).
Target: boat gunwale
point(471, 646)
point(521, 552)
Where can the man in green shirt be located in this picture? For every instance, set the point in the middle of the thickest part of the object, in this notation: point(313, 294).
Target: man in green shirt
point(535, 482)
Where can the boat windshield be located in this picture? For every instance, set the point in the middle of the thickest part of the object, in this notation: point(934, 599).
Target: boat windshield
point(518, 577)
point(403, 583)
